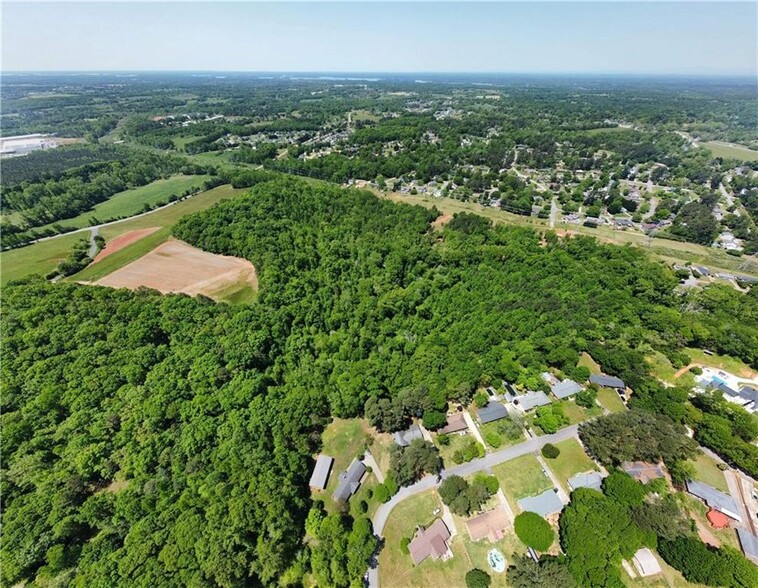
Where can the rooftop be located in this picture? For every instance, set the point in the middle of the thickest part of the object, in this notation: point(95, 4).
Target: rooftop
point(565, 388)
point(404, 438)
point(455, 422)
point(321, 471)
point(643, 471)
point(494, 411)
point(607, 381)
point(490, 524)
point(431, 542)
point(350, 481)
point(543, 504)
point(646, 563)
point(531, 399)
point(592, 480)
point(749, 543)
point(716, 499)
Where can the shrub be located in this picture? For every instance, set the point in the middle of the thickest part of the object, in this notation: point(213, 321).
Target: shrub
point(481, 400)
point(586, 398)
point(550, 451)
point(381, 493)
point(477, 578)
point(696, 370)
point(362, 507)
point(404, 542)
point(493, 439)
point(443, 440)
point(534, 531)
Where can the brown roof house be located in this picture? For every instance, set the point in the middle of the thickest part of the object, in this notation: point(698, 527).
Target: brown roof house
point(491, 525)
point(431, 542)
point(643, 471)
point(455, 422)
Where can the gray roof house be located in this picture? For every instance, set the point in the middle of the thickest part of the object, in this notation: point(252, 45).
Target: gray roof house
point(607, 381)
point(749, 543)
point(404, 438)
point(320, 475)
point(494, 411)
point(565, 389)
point(350, 481)
point(531, 399)
point(714, 498)
point(592, 480)
point(543, 504)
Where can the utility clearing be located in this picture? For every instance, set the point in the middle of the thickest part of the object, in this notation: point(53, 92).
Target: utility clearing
point(176, 267)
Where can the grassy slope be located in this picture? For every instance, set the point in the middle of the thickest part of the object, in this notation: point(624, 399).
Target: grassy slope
point(730, 151)
point(42, 257)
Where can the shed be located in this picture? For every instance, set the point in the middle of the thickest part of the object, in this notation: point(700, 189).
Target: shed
point(646, 563)
point(592, 480)
point(607, 381)
point(455, 422)
point(491, 525)
point(494, 411)
point(543, 504)
point(350, 481)
point(716, 499)
point(565, 389)
point(404, 438)
point(321, 471)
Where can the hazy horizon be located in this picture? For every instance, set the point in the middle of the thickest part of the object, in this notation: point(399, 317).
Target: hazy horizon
point(671, 39)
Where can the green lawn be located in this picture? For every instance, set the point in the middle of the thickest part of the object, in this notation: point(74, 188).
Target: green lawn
point(587, 361)
point(521, 477)
point(41, 258)
point(707, 471)
point(578, 414)
point(456, 442)
point(610, 400)
point(724, 362)
point(572, 460)
point(344, 440)
point(133, 201)
point(492, 428)
point(730, 151)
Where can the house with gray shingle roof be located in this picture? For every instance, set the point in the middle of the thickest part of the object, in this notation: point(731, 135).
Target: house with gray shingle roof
point(531, 399)
point(607, 381)
point(494, 411)
point(350, 481)
point(321, 470)
point(592, 480)
point(565, 389)
point(543, 504)
point(749, 543)
point(404, 438)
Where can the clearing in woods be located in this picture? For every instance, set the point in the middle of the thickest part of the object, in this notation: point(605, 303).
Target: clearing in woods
point(175, 266)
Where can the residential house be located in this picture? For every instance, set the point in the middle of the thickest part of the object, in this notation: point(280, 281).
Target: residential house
point(350, 481)
point(321, 471)
point(531, 399)
point(607, 381)
point(455, 422)
point(643, 471)
point(494, 411)
point(491, 525)
point(716, 499)
point(431, 542)
point(404, 438)
point(718, 520)
point(592, 480)
point(543, 504)
point(565, 389)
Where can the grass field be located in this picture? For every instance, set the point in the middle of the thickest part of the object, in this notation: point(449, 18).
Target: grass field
point(133, 201)
point(521, 477)
point(586, 360)
point(578, 414)
point(724, 362)
point(456, 442)
point(730, 151)
point(610, 400)
point(41, 258)
point(707, 471)
point(572, 460)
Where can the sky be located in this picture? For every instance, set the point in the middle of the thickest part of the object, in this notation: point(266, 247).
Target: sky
point(563, 37)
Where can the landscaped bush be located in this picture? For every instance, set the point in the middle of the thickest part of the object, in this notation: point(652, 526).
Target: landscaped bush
point(493, 439)
point(404, 542)
point(534, 531)
point(477, 578)
point(550, 451)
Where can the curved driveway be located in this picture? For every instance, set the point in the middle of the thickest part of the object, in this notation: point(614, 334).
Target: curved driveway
point(466, 469)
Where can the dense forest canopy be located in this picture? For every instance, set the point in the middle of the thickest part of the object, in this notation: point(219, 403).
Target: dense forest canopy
point(164, 440)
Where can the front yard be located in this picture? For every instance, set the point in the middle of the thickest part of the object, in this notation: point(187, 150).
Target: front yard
point(521, 477)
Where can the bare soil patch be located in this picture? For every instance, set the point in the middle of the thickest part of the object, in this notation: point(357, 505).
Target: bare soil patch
point(441, 221)
point(175, 266)
point(123, 241)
